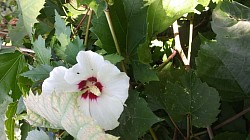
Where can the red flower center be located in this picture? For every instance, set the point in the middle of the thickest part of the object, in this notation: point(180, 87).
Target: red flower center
point(91, 88)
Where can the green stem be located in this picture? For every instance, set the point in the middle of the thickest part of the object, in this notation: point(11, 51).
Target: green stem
point(166, 62)
point(176, 126)
point(107, 14)
point(87, 30)
point(153, 134)
point(188, 126)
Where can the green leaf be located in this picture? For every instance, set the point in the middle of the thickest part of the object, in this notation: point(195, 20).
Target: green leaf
point(144, 73)
point(3, 106)
point(136, 119)
point(182, 94)
point(113, 58)
point(224, 64)
point(231, 19)
point(230, 136)
point(11, 66)
point(160, 15)
point(72, 50)
point(39, 73)
point(97, 5)
point(10, 121)
point(42, 53)
point(30, 10)
point(227, 111)
point(129, 22)
point(62, 34)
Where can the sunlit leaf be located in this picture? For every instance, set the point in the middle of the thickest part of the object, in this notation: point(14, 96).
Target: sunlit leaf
point(62, 34)
point(43, 54)
point(60, 110)
point(3, 109)
point(10, 121)
point(113, 58)
point(30, 10)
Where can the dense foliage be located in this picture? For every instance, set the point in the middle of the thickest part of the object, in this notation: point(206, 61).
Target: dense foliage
point(188, 62)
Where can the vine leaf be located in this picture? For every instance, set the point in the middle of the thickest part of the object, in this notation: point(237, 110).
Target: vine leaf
point(39, 73)
point(144, 73)
point(10, 121)
point(225, 63)
point(42, 53)
point(113, 58)
point(11, 66)
point(30, 10)
point(136, 119)
point(184, 95)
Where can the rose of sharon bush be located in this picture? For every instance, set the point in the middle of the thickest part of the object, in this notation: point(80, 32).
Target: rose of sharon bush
point(103, 88)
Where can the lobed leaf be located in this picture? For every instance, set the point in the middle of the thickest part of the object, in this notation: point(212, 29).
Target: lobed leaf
point(11, 66)
point(136, 119)
point(42, 53)
point(30, 10)
point(39, 73)
point(10, 121)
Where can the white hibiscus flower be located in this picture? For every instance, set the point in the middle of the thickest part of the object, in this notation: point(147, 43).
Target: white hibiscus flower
point(104, 88)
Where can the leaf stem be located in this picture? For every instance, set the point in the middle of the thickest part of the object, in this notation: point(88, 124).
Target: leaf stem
point(87, 30)
point(191, 27)
point(225, 122)
point(166, 62)
point(178, 43)
point(176, 126)
point(107, 14)
point(81, 21)
point(153, 133)
point(210, 132)
point(111, 27)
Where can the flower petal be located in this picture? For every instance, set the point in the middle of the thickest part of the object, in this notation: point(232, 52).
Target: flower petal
point(89, 63)
point(57, 83)
point(106, 111)
point(115, 83)
point(84, 105)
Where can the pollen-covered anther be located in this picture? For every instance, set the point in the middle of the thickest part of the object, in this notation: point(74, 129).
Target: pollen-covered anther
point(91, 88)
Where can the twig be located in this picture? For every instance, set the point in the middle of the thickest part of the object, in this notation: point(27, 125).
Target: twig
point(153, 134)
point(81, 21)
point(191, 27)
point(176, 126)
point(232, 118)
point(4, 33)
point(210, 132)
point(226, 121)
point(87, 30)
point(175, 134)
point(166, 62)
point(178, 43)
point(107, 14)
point(18, 48)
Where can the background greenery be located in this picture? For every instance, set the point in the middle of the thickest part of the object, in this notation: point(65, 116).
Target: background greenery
point(206, 99)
